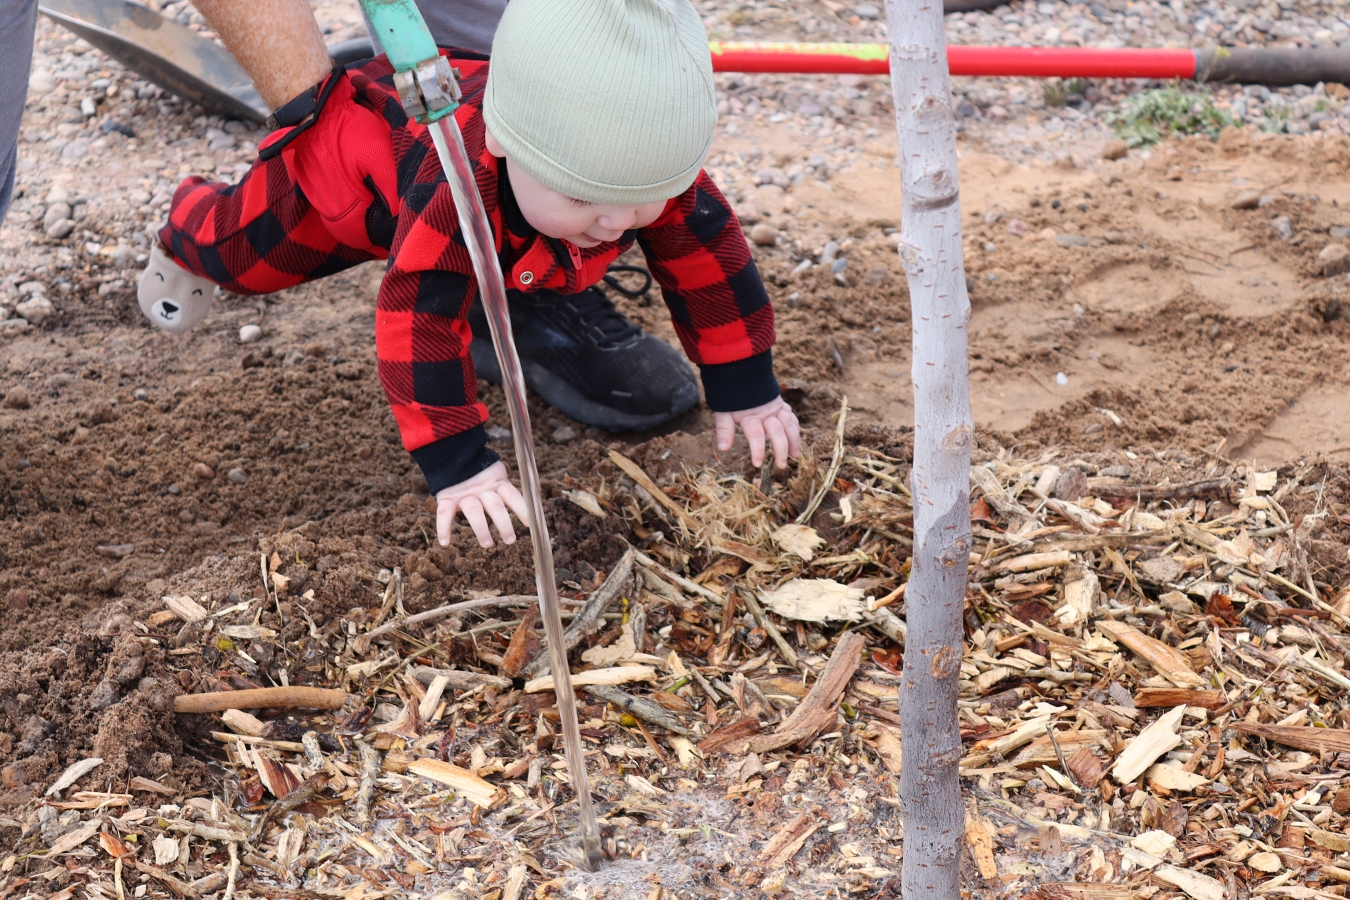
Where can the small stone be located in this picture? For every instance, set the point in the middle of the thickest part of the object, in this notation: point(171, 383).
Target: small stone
point(1246, 200)
point(1048, 234)
point(122, 255)
point(250, 333)
point(1334, 90)
point(876, 275)
point(140, 395)
point(1018, 228)
point(1115, 150)
point(1340, 232)
point(60, 229)
point(55, 213)
point(1071, 240)
point(316, 351)
point(867, 11)
point(236, 476)
point(18, 599)
point(17, 398)
point(808, 107)
point(32, 287)
point(764, 234)
point(88, 107)
point(1265, 200)
point(499, 434)
point(1283, 225)
point(35, 309)
point(1334, 260)
point(104, 696)
point(203, 471)
point(75, 150)
point(564, 434)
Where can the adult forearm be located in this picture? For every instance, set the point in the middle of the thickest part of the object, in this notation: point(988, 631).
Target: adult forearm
point(278, 43)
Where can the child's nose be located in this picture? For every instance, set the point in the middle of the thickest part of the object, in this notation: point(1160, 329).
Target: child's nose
point(620, 220)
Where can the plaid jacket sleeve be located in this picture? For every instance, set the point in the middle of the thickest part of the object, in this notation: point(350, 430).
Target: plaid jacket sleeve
point(721, 311)
point(422, 334)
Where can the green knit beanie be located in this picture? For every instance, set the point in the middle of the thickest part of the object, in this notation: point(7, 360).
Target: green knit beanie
point(607, 101)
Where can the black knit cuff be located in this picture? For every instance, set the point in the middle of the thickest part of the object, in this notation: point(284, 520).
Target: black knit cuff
point(454, 459)
point(744, 384)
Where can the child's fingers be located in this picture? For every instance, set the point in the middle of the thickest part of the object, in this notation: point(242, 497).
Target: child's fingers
point(445, 517)
point(778, 439)
point(500, 517)
point(515, 501)
point(794, 433)
point(472, 508)
point(725, 428)
point(754, 434)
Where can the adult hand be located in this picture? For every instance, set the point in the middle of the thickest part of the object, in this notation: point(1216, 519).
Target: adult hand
point(774, 421)
point(489, 493)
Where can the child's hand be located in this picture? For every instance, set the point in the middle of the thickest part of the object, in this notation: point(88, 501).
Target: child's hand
point(490, 492)
point(774, 420)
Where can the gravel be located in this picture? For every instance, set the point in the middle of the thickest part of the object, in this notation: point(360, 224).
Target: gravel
point(103, 149)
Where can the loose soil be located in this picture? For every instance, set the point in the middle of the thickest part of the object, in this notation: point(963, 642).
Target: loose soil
point(1185, 332)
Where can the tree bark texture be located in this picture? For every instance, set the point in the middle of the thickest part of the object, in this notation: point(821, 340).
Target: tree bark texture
point(930, 789)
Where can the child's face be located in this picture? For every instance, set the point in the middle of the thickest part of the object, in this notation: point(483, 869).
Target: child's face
point(559, 216)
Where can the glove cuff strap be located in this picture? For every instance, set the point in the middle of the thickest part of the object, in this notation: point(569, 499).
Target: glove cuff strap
point(300, 113)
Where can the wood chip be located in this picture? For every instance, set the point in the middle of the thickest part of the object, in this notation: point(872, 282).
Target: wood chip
point(241, 722)
point(186, 608)
point(525, 645)
point(462, 781)
point(72, 839)
point(980, 839)
point(1144, 749)
point(800, 540)
point(634, 471)
point(614, 675)
point(816, 600)
point(1151, 697)
point(1198, 886)
point(73, 773)
point(1173, 778)
point(1031, 562)
point(734, 734)
point(1169, 662)
point(622, 581)
point(889, 748)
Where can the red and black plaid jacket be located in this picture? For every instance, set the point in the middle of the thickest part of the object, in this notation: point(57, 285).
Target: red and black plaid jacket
point(263, 234)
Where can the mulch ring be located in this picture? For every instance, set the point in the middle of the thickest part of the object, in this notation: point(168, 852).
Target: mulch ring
point(1152, 699)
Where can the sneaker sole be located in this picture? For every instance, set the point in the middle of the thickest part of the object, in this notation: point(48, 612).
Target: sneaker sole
point(560, 395)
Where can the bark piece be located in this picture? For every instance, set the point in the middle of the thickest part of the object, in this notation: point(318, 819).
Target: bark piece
point(1169, 662)
point(1086, 768)
point(1303, 737)
point(789, 839)
point(614, 675)
point(261, 698)
point(1059, 890)
point(738, 732)
point(1148, 697)
point(620, 582)
point(1144, 749)
point(478, 791)
point(525, 645)
point(814, 714)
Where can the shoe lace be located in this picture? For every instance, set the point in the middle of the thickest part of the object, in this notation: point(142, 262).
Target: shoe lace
point(599, 315)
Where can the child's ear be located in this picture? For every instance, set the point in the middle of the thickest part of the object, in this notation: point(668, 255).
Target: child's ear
point(492, 146)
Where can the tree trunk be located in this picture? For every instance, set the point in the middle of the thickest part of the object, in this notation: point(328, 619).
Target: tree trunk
point(930, 789)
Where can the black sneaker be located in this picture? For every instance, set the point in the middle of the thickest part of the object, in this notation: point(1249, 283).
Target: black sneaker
point(587, 360)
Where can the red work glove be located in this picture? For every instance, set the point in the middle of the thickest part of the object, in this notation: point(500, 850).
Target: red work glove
point(344, 162)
